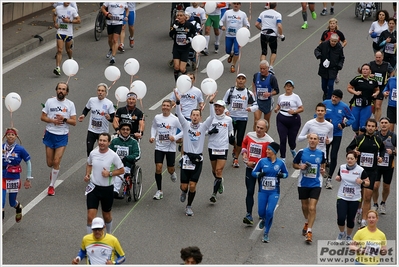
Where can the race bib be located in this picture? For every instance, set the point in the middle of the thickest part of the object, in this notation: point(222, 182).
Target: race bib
point(255, 150)
point(260, 93)
point(311, 171)
point(218, 151)
point(385, 161)
point(269, 183)
point(187, 164)
point(358, 102)
point(163, 137)
point(394, 94)
point(122, 151)
point(12, 185)
point(366, 159)
point(348, 191)
point(90, 187)
point(96, 123)
point(322, 138)
point(378, 77)
point(237, 105)
point(181, 39)
point(372, 249)
point(389, 48)
point(232, 31)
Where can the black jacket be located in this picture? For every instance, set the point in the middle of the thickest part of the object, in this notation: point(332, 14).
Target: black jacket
point(334, 54)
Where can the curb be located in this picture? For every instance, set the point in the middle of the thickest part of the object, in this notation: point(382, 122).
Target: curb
point(48, 36)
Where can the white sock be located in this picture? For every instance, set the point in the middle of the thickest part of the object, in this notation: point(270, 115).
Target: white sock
point(207, 37)
point(54, 176)
point(108, 225)
point(309, 229)
point(217, 40)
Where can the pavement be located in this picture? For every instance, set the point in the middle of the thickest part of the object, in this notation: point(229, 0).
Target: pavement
point(18, 37)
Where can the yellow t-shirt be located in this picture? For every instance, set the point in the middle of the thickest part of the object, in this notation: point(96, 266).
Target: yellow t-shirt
point(99, 251)
point(372, 243)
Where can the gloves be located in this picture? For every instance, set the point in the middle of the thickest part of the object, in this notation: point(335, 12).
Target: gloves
point(190, 39)
point(342, 125)
point(214, 130)
point(282, 37)
point(175, 26)
point(326, 63)
point(232, 140)
point(373, 35)
point(281, 175)
point(261, 174)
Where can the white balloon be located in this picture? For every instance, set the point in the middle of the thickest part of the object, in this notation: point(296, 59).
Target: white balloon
point(183, 83)
point(131, 66)
point(70, 67)
point(139, 88)
point(198, 43)
point(112, 73)
point(208, 86)
point(243, 36)
point(214, 69)
point(210, 7)
point(12, 101)
point(121, 93)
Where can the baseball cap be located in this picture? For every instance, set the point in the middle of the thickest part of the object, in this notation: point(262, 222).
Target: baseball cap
point(220, 103)
point(97, 222)
point(289, 81)
point(241, 74)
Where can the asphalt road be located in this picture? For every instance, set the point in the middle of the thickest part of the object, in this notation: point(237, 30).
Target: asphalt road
point(153, 232)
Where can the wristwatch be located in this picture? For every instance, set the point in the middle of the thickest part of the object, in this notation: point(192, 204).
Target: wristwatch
point(64, 120)
point(110, 174)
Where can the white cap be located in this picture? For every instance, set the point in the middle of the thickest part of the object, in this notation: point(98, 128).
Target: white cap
point(97, 222)
point(241, 74)
point(220, 103)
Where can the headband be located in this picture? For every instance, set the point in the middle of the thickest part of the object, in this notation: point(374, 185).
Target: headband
point(11, 131)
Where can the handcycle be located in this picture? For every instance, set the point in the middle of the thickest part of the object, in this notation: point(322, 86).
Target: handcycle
point(367, 9)
point(132, 186)
point(100, 24)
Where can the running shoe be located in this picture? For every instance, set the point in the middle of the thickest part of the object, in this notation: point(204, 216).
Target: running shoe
point(232, 69)
point(337, 79)
point(57, 71)
point(305, 26)
point(265, 238)
point(216, 48)
point(341, 236)
point(109, 53)
point(283, 159)
point(121, 48)
point(383, 209)
point(51, 191)
point(18, 213)
point(262, 223)
point(271, 70)
point(331, 11)
point(309, 237)
point(173, 177)
point(362, 224)
point(248, 219)
point(314, 15)
point(324, 12)
point(205, 52)
point(131, 42)
point(235, 163)
point(348, 238)
point(213, 198)
point(374, 207)
point(112, 61)
point(305, 229)
point(158, 195)
point(359, 217)
point(230, 58)
point(293, 153)
point(329, 184)
point(183, 196)
point(189, 211)
point(221, 187)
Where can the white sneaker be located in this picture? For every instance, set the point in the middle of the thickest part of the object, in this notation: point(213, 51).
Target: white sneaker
point(158, 195)
point(383, 209)
point(173, 177)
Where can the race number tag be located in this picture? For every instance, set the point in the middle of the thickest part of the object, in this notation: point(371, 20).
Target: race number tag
point(311, 172)
point(187, 164)
point(385, 161)
point(90, 187)
point(181, 39)
point(255, 150)
point(389, 48)
point(122, 151)
point(218, 151)
point(269, 183)
point(394, 94)
point(231, 31)
point(96, 123)
point(366, 159)
point(349, 191)
point(12, 185)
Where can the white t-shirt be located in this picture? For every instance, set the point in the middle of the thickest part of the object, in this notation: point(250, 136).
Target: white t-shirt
point(65, 108)
point(131, 6)
point(163, 127)
point(72, 4)
point(269, 20)
point(238, 102)
point(197, 12)
point(375, 27)
point(108, 160)
point(288, 102)
point(98, 108)
point(322, 129)
point(65, 12)
point(189, 100)
point(220, 140)
point(117, 10)
point(348, 189)
point(233, 21)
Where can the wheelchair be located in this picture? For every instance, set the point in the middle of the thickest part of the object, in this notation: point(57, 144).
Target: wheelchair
point(367, 9)
point(132, 185)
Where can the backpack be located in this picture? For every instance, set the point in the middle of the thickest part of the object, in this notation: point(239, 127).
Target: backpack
point(250, 98)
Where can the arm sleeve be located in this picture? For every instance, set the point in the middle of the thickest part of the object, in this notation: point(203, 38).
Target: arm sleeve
point(352, 145)
point(85, 111)
point(82, 254)
point(304, 132)
point(28, 168)
point(153, 128)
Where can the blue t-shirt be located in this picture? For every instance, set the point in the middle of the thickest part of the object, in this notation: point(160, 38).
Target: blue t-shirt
point(269, 182)
point(310, 177)
point(13, 158)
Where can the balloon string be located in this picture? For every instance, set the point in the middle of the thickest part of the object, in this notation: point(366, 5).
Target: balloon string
point(238, 60)
point(196, 66)
point(112, 84)
point(141, 103)
point(117, 104)
point(12, 123)
point(131, 79)
point(205, 102)
point(250, 8)
point(69, 77)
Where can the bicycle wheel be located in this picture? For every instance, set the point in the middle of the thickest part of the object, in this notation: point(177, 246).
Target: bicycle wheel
point(129, 186)
point(363, 14)
point(357, 10)
point(137, 183)
point(98, 26)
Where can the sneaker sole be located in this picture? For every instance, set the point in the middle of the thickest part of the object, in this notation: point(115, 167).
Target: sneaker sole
point(157, 198)
point(265, 241)
point(212, 199)
point(18, 216)
point(246, 221)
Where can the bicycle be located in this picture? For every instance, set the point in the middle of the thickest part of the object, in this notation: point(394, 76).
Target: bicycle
point(132, 186)
point(99, 25)
point(364, 10)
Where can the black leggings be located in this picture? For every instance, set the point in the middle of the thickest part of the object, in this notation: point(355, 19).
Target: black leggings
point(336, 142)
point(239, 130)
point(91, 140)
point(346, 211)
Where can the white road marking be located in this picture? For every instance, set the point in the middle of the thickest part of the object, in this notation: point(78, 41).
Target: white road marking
point(295, 174)
point(295, 12)
point(156, 105)
point(255, 233)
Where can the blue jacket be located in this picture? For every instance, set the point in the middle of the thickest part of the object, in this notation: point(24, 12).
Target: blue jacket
point(336, 114)
point(390, 87)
